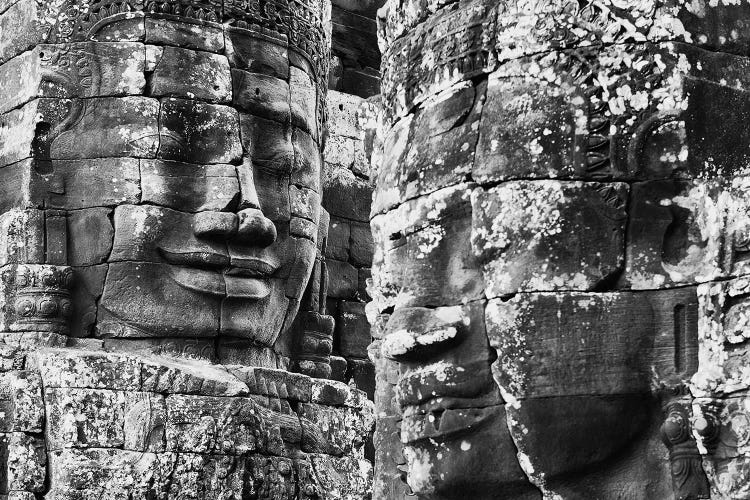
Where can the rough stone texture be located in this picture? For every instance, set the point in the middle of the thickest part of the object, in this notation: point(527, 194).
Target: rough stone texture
point(559, 281)
point(163, 278)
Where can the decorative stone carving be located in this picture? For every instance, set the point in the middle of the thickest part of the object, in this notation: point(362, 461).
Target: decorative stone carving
point(559, 221)
point(161, 255)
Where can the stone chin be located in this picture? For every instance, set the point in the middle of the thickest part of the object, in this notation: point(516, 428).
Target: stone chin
point(474, 457)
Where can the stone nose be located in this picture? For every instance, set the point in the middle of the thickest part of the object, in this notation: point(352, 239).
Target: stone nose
point(255, 229)
point(247, 227)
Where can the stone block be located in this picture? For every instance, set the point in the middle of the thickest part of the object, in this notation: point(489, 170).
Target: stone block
point(108, 127)
point(261, 95)
point(343, 478)
point(343, 115)
point(339, 152)
point(84, 418)
point(572, 344)
point(205, 424)
point(415, 160)
point(342, 279)
point(188, 187)
point(18, 186)
point(275, 383)
point(190, 74)
point(560, 435)
point(304, 101)
point(77, 184)
point(90, 236)
point(22, 236)
point(352, 335)
point(144, 421)
point(337, 244)
point(417, 261)
point(185, 35)
point(21, 27)
point(361, 245)
point(528, 130)
point(345, 430)
point(338, 368)
point(87, 289)
point(669, 242)
point(272, 477)
point(81, 474)
point(256, 55)
point(308, 163)
point(24, 132)
point(21, 406)
point(24, 459)
point(549, 235)
point(364, 281)
point(267, 143)
point(73, 368)
point(198, 132)
point(346, 196)
point(86, 69)
point(363, 374)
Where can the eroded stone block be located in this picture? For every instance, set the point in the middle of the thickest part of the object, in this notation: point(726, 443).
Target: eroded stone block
point(548, 235)
point(190, 74)
point(198, 132)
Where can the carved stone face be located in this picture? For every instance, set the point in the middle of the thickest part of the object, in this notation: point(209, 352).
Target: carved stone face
point(189, 166)
point(539, 239)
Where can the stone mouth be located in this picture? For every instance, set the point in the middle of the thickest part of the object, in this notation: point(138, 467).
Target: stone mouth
point(444, 417)
point(444, 423)
point(211, 274)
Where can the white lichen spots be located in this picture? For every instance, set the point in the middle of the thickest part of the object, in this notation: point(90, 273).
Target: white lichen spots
point(419, 462)
point(465, 446)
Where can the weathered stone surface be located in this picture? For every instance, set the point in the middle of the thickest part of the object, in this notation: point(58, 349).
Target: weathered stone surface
point(185, 35)
point(71, 368)
point(108, 127)
point(22, 237)
point(361, 244)
point(188, 187)
point(256, 54)
point(345, 429)
point(261, 95)
point(89, 285)
point(427, 259)
point(190, 74)
point(24, 459)
point(135, 298)
point(304, 101)
point(267, 142)
point(84, 418)
point(342, 279)
point(77, 184)
point(73, 70)
point(337, 244)
point(343, 478)
point(22, 407)
point(90, 236)
point(554, 344)
point(529, 130)
point(415, 161)
point(197, 132)
point(352, 334)
point(346, 195)
point(669, 237)
point(548, 235)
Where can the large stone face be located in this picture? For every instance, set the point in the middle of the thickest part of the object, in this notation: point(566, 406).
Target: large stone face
point(577, 174)
point(161, 223)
